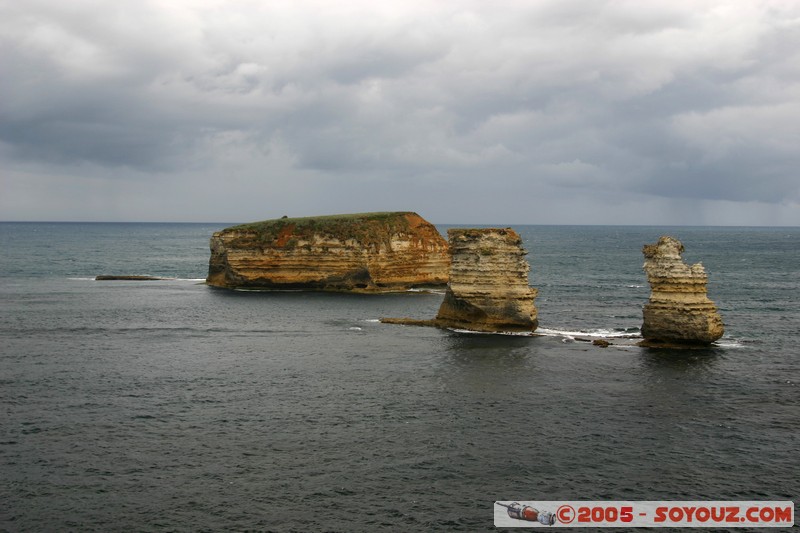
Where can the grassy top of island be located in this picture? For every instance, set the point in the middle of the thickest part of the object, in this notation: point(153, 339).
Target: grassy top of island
point(363, 227)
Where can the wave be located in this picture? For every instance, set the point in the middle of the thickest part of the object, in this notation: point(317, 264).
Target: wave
point(631, 333)
point(510, 333)
point(428, 291)
point(727, 342)
point(600, 333)
point(618, 333)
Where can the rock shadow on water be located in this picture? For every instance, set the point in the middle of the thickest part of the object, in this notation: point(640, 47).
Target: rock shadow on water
point(479, 351)
point(469, 341)
point(681, 359)
point(298, 295)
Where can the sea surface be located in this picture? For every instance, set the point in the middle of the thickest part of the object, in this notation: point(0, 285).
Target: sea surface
point(171, 406)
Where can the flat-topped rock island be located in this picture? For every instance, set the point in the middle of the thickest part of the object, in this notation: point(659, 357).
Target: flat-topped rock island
point(362, 252)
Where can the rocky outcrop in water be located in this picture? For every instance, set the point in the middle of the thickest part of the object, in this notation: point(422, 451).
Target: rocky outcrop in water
point(488, 288)
point(366, 252)
point(679, 310)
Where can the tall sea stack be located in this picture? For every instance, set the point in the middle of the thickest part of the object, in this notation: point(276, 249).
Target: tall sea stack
point(488, 288)
point(679, 310)
point(364, 252)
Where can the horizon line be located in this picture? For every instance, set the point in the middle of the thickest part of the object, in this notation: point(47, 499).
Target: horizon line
point(505, 224)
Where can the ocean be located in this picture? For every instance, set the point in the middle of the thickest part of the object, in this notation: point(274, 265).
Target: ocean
point(171, 406)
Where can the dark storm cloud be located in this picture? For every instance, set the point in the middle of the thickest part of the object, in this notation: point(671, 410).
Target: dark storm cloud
point(657, 99)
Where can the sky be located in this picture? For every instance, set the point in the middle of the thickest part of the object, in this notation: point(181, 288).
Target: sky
point(663, 112)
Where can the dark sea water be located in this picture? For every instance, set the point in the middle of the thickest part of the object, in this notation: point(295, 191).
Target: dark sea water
point(170, 406)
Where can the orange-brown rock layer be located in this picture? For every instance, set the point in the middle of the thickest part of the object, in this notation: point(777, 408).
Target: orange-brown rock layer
point(679, 310)
point(488, 288)
point(359, 252)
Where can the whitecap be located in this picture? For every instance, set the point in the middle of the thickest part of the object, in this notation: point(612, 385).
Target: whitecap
point(598, 332)
point(510, 333)
point(427, 291)
point(728, 343)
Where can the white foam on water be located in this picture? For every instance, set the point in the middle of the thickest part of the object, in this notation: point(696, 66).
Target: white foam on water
point(510, 333)
point(374, 320)
point(728, 343)
point(428, 291)
point(599, 333)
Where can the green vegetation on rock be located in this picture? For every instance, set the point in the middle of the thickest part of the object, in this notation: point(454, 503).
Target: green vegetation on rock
point(366, 228)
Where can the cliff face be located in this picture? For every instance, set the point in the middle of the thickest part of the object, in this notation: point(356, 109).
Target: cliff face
point(679, 309)
point(488, 288)
point(360, 252)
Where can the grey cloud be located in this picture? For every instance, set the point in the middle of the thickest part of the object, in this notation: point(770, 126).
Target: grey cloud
point(662, 99)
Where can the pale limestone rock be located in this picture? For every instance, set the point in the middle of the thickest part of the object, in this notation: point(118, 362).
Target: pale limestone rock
point(488, 288)
point(369, 252)
point(679, 310)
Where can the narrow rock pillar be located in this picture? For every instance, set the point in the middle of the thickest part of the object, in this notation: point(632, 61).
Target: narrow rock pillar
point(679, 310)
point(488, 288)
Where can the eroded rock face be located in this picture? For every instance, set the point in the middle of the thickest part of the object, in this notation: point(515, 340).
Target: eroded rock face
point(359, 252)
point(679, 310)
point(488, 288)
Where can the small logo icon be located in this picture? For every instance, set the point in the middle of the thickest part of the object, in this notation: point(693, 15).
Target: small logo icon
point(565, 514)
point(529, 514)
